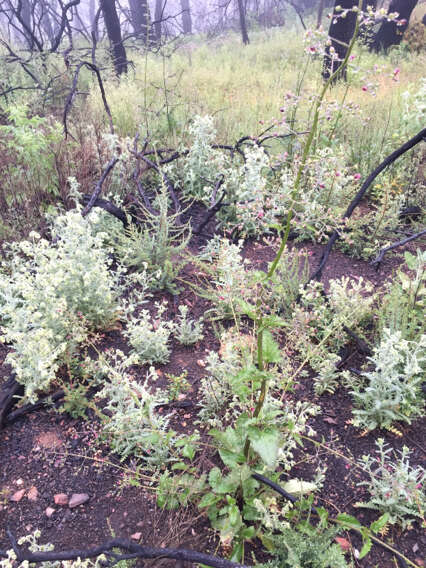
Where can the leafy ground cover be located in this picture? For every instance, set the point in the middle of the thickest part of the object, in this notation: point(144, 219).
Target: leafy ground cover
point(185, 352)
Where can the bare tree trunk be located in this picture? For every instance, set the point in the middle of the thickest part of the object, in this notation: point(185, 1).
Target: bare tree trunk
point(243, 23)
point(112, 24)
point(186, 17)
point(141, 19)
point(390, 33)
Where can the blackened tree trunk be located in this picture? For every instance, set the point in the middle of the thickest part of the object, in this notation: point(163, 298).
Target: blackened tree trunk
point(390, 32)
point(112, 24)
point(243, 23)
point(186, 17)
point(341, 31)
point(141, 19)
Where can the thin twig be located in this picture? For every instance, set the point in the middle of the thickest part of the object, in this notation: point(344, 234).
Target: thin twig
point(382, 253)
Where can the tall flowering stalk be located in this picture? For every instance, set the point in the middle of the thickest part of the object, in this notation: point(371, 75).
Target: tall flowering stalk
point(260, 324)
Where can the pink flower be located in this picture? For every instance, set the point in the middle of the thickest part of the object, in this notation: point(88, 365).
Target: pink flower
point(364, 88)
point(352, 57)
point(260, 214)
point(357, 176)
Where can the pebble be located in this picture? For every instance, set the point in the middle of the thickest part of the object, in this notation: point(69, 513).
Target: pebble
point(78, 499)
point(61, 499)
point(16, 497)
point(136, 536)
point(49, 511)
point(32, 493)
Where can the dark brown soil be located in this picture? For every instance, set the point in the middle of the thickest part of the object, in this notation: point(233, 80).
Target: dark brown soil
point(57, 454)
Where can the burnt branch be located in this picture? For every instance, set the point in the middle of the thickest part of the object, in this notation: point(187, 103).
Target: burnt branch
point(132, 550)
point(98, 187)
point(63, 24)
point(72, 94)
point(28, 408)
point(421, 136)
point(378, 260)
point(215, 206)
point(109, 207)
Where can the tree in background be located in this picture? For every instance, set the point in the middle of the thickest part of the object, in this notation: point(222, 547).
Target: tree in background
point(160, 6)
point(112, 24)
point(186, 17)
point(391, 32)
point(341, 31)
point(243, 23)
point(141, 19)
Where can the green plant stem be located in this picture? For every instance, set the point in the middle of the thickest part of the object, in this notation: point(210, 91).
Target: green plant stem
point(307, 148)
point(263, 387)
point(293, 196)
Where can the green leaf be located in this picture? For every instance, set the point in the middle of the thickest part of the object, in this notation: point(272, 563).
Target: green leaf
point(265, 443)
point(366, 547)
point(234, 515)
point(271, 349)
point(237, 552)
point(208, 500)
point(348, 521)
point(381, 522)
point(179, 466)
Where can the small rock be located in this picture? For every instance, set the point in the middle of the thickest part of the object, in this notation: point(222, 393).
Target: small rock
point(78, 499)
point(201, 363)
point(49, 511)
point(136, 536)
point(32, 493)
point(19, 482)
point(16, 497)
point(61, 499)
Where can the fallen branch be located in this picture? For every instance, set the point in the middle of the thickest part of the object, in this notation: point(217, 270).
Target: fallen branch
point(109, 207)
point(98, 187)
point(421, 136)
point(382, 253)
point(136, 551)
point(28, 408)
point(10, 391)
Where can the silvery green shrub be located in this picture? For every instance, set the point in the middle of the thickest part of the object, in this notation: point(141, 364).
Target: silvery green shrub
point(391, 391)
point(51, 294)
point(133, 427)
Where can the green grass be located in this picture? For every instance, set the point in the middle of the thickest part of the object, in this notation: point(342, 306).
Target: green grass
point(243, 85)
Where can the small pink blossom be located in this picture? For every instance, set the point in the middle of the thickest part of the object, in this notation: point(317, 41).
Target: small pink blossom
point(364, 88)
point(357, 176)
